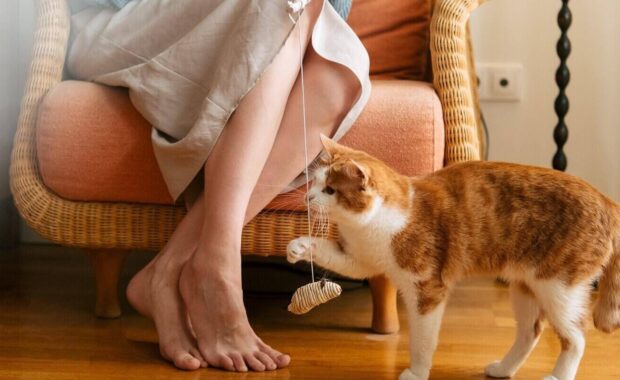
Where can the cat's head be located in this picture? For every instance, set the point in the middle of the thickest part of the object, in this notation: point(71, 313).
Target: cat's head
point(350, 185)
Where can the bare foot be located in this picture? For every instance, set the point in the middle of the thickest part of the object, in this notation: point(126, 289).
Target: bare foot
point(154, 293)
point(215, 305)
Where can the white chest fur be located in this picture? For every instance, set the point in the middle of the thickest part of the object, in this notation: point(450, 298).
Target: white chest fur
point(368, 238)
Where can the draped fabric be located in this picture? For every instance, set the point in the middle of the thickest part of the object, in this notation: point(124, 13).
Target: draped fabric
point(187, 78)
point(341, 6)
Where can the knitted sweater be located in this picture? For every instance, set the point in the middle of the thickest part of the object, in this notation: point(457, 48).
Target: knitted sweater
point(342, 6)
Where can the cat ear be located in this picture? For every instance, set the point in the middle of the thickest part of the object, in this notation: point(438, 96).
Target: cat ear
point(356, 173)
point(330, 145)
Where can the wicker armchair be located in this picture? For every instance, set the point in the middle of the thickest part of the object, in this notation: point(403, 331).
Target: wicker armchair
point(108, 230)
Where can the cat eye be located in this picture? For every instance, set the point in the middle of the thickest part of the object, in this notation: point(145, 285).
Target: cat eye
point(329, 190)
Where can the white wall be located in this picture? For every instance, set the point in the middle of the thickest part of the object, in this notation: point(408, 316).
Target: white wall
point(16, 27)
point(9, 81)
point(16, 23)
point(526, 31)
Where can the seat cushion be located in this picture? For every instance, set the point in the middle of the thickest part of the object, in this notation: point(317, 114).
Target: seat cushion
point(92, 144)
point(396, 35)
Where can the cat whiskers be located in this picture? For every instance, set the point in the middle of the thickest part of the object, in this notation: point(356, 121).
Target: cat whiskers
point(320, 220)
point(285, 203)
point(320, 225)
point(284, 206)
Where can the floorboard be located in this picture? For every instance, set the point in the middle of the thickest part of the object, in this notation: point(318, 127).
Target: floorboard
point(48, 331)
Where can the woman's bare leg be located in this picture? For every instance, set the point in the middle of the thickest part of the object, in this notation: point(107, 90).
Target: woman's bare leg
point(154, 293)
point(210, 281)
point(330, 88)
point(225, 337)
point(155, 290)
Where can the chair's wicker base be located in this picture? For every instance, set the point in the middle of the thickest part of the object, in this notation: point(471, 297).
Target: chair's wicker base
point(270, 231)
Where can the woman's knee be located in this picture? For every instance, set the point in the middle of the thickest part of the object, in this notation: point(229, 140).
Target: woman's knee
point(335, 89)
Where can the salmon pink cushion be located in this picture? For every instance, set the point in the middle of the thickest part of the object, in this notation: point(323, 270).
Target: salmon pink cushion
point(92, 144)
point(396, 35)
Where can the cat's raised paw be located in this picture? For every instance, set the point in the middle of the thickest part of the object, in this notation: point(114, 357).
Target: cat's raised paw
point(299, 249)
point(496, 371)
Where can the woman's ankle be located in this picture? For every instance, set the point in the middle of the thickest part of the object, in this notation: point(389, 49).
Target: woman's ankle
point(218, 269)
point(219, 285)
point(170, 265)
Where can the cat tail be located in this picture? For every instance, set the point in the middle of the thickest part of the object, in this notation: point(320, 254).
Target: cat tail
point(607, 308)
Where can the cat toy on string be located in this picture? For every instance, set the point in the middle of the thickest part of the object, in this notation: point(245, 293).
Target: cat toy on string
point(315, 293)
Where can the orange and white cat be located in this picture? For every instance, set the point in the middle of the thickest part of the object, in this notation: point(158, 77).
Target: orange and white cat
point(550, 234)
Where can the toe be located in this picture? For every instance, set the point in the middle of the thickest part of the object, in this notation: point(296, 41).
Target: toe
point(184, 360)
point(267, 361)
point(219, 361)
point(238, 362)
point(281, 360)
point(195, 353)
point(226, 363)
point(181, 358)
point(253, 362)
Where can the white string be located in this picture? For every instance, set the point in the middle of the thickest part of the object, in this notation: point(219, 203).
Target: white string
point(303, 109)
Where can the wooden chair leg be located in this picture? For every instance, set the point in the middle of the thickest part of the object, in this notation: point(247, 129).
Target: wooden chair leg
point(384, 307)
point(107, 265)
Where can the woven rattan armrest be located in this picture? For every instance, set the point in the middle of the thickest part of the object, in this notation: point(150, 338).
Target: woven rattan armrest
point(454, 78)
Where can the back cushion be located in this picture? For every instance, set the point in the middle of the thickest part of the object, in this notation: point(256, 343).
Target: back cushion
point(396, 35)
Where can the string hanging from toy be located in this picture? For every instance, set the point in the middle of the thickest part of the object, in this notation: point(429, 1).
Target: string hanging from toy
point(310, 295)
point(305, 124)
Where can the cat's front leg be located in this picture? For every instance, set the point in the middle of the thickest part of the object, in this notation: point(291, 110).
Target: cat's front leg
point(327, 254)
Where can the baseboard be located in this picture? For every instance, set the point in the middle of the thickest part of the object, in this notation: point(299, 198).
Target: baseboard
point(9, 223)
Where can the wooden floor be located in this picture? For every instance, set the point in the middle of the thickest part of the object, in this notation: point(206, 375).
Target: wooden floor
point(47, 331)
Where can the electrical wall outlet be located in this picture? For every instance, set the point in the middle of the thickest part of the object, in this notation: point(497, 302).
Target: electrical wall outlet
point(500, 82)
